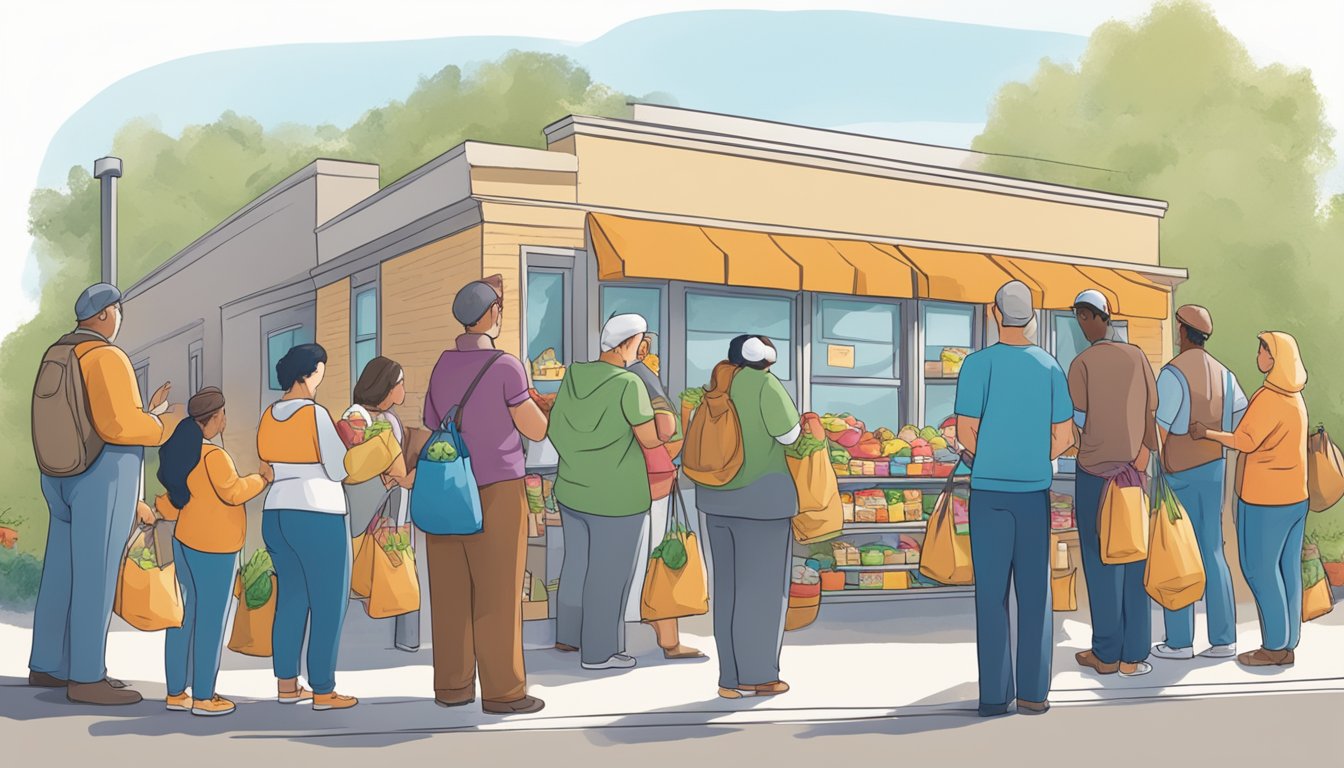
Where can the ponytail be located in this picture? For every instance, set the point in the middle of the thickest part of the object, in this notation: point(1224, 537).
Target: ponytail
point(178, 456)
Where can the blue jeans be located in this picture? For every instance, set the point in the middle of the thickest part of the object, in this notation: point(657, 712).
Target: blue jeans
point(1122, 621)
point(91, 518)
point(1270, 540)
point(1010, 541)
point(191, 652)
point(1200, 491)
point(311, 553)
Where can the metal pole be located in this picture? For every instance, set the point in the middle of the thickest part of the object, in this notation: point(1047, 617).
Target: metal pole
point(107, 170)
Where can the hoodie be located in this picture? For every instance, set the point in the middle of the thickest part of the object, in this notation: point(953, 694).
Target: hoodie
point(1272, 436)
point(299, 440)
point(602, 470)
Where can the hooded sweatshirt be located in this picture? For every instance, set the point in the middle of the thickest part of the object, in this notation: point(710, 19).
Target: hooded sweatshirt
point(602, 470)
point(299, 440)
point(1272, 436)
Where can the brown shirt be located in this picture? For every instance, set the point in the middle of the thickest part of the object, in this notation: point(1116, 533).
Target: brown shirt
point(1112, 385)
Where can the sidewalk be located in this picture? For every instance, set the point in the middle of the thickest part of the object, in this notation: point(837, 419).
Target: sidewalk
point(858, 661)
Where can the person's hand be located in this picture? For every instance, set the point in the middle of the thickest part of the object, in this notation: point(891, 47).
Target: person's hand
point(144, 514)
point(389, 482)
point(160, 395)
point(1199, 431)
point(267, 472)
point(407, 480)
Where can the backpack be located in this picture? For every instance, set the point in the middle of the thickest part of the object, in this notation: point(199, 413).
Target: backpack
point(712, 454)
point(64, 438)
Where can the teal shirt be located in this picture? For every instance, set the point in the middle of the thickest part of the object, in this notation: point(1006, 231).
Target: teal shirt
point(602, 470)
point(765, 413)
point(1018, 394)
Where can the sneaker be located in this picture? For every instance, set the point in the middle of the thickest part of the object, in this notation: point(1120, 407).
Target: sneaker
point(619, 661)
point(1138, 669)
point(325, 701)
point(1220, 652)
point(214, 707)
point(1164, 651)
point(179, 703)
point(296, 696)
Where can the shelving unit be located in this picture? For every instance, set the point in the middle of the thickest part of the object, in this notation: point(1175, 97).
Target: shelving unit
point(879, 595)
point(871, 568)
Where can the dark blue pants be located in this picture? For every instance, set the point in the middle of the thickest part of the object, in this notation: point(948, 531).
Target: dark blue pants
point(1122, 620)
point(191, 652)
point(1010, 541)
point(311, 553)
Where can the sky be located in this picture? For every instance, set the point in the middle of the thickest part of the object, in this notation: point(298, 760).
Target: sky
point(58, 56)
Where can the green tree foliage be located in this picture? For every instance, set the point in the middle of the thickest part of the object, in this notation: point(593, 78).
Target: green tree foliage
point(177, 188)
point(1178, 111)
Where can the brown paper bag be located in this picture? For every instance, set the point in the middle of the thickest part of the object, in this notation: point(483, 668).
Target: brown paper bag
point(1123, 524)
point(1325, 471)
point(820, 514)
point(1064, 589)
point(946, 556)
point(251, 635)
point(148, 599)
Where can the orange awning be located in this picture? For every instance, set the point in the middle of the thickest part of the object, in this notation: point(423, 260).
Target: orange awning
point(654, 249)
point(755, 260)
point(824, 269)
point(972, 278)
point(1136, 295)
point(1053, 285)
point(881, 272)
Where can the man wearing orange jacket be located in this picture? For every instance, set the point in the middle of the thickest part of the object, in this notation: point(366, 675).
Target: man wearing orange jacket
point(92, 512)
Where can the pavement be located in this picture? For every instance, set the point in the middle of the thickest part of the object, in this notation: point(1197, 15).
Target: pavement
point(902, 667)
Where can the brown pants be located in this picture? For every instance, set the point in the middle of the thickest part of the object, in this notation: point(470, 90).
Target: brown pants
point(475, 594)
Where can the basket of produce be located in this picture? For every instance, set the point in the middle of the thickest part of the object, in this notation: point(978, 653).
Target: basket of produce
point(804, 598)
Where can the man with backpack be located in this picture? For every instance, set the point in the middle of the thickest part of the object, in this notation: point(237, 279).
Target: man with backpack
point(476, 581)
point(1194, 388)
point(90, 431)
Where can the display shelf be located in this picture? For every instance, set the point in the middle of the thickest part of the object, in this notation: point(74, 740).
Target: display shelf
point(874, 568)
point(876, 595)
point(851, 480)
point(911, 526)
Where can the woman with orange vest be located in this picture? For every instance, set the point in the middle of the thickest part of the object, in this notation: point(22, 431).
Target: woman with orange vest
point(304, 525)
point(206, 497)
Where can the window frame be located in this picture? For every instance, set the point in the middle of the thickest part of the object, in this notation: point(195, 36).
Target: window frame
point(798, 326)
point(270, 363)
point(918, 395)
point(814, 301)
point(195, 367)
point(664, 314)
point(361, 285)
point(568, 352)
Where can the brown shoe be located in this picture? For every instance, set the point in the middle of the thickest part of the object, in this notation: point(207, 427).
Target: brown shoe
point(1263, 657)
point(44, 680)
point(446, 703)
point(101, 693)
point(682, 652)
point(524, 706)
point(324, 702)
point(565, 648)
point(1032, 707)
point(766, 689)
point(1089, 659)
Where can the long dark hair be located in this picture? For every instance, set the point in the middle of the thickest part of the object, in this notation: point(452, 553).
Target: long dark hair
point(181, 452)
point(379, 378)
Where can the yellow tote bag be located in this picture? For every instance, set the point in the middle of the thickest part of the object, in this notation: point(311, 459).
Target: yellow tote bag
point(148, 596)
point(820, 515)
point(675, 585)
point(1316, 601)
point(946, 557)
point(1174, 574)
point(251, 635)
point(395, 586)
point(372, 458)
point(1123, 522)
point(361, 567)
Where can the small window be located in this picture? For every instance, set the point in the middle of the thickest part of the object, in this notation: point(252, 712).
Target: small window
point(195, 369)
point(712, 320)
point(1069, 341)
point(365, 346)
point(643, 301)
point(280, 342)
point(546, 348)
point(142, 381)
point(949, 336)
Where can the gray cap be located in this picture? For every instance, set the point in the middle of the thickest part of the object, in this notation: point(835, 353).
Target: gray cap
point(1014, 303)
point(95, 299)
point(473, 301)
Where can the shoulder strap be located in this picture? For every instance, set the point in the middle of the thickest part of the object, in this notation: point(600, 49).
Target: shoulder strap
point(1229, 396)
point(457, 416)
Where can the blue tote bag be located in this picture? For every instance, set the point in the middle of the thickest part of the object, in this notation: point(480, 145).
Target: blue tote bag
point(445, 500)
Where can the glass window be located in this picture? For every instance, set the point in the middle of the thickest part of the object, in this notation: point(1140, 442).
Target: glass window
point(874, 406)
point(940, 399)
point(194, 371)
point(856, 339)
point(142, 381)
point(546, 328)
point(280, 342)
point(712, 320)
point(1069, 341)
point(647, 302)
point(366, 329)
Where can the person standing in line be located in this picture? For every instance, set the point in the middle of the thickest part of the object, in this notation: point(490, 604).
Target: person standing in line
point(749, 524)
point(662, 479)
point(208, 494)
point(1014, 417)
point(92, 512)
point(476, 581)
point(1115, 404)
point(1272, 496)
point(1194, 388)
point(601, 420)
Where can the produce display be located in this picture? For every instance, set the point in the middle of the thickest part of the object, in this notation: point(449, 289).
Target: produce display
point(441, 451)
point(856, 452)
point(257, 579)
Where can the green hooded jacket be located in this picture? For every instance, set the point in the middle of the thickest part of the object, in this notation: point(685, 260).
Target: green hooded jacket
point(602, 469)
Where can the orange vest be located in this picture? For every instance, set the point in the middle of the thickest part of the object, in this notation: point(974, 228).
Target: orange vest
point(292, 441)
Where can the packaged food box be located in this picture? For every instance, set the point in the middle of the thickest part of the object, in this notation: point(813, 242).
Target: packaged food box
point(865, 514)
point(847, 506)
point(933, 369)
point(894, 497)
point(897, 468)
point(894, 557)
point(869, 468)
point(913, 511)
point(841, 470)
point(916, 469)
point(872, 557)
point(942, 469)
point(882, 469)
point(882, 514)
point(896, 580)
point(871, 580)
point(912, 495)
point(832, 581)
point(912, 557)
point(845, 554)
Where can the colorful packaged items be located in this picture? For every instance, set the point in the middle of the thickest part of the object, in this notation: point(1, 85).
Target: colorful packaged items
point(871, 580)
point(847, 506)
point(845, 554)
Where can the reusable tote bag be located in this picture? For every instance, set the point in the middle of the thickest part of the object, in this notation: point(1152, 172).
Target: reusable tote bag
point(1123, 523)
point(255, 617)
point(1325, 471)
point(361, 567)
point(148, 596)
point(394, 583)
point(1174, 573)
point(445, 500)
point(820, 514)
point(674, 583)
point(946, 557)
point(1316, 597)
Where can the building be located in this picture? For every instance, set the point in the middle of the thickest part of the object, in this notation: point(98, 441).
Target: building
point(881, 255)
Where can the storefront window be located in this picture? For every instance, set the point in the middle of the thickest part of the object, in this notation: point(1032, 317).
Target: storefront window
point(546, 328)
point(280, 342)
point(712, 320)
point(1069, 341)
point(856, 352)
point(949, 336)
point(366, 329)
point(646, 302)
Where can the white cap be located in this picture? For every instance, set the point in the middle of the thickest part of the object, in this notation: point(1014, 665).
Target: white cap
point(621, 328)
point(755, 351)
point(1095, 299)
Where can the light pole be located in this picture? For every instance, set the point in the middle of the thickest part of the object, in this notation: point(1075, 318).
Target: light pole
point(107, 170)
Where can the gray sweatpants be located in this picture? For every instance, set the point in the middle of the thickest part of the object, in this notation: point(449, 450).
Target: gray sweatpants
point(599, 564)
point(749, 565)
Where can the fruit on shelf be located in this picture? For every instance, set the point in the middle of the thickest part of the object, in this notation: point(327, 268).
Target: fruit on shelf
point(908, 433)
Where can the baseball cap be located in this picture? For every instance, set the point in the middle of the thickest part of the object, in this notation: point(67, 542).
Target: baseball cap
point(473, 301)
point(620, 328)
point(1196, 317)
point(1093, 299)
point(1014, 303)
point(95, 299)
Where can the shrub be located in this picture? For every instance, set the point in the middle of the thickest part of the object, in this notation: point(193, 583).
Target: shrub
point(20, 574)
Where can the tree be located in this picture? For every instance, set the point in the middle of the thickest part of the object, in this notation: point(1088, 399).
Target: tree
point(177, 188)
point(1176, 108)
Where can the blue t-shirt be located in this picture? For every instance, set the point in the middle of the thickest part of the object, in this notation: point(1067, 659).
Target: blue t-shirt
point(1017, 393)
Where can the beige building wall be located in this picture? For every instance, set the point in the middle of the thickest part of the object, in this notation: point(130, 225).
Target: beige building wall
point(333, 334)
point(507, 230)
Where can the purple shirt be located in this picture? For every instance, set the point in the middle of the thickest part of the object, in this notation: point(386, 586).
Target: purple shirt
point(493, 441)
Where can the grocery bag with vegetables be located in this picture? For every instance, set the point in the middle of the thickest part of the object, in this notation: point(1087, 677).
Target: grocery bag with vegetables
point(147, 596)
point(1174, 572)
point(255, 588)
point(445, 500)
point(821, 514)
point(675, 584)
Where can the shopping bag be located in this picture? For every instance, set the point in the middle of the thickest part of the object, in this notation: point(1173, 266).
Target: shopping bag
point(1325, 471)
point(1316, 597)
point(394, 585)
point(675, 585)
point(361, 566)
point(445, 500)
point(820, 514)
point(1123, 521)
point(946, 556)
point(803, 610)
point(371, 458)
point(251, 635)
point(1174, 573)
point(1064, 589)
point(147, 596)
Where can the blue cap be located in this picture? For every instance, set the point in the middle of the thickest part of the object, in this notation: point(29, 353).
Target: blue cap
point(95, 299)
point(473, 301)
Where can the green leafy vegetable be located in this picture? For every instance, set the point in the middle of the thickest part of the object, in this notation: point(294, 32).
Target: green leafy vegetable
point(257, 579)
point(804, 446)
point(693, 396)
point(441, 451)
